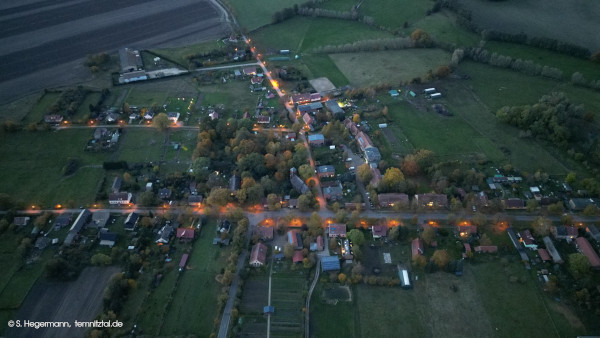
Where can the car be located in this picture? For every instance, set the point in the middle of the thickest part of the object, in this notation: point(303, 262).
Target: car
point(474, 208)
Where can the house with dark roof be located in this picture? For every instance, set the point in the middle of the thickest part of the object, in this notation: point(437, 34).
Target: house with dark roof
point(62, 220)
point(173, 116)
point(593, 232)
point(333, 193)
point(387, 200)
point(263, 119)
point(588, 251)
point(265, 233)
point(466, 230)
point(436, 201)
point(53, 118)
point(107, 238)
point(99, 219)
point(372, 155)
point(514, 204)
point(527, 239)
point(164, 193)
point(337, 230)
point(310, 108)
point(579, 204)
point(116, 185)
point(567, 233)
point(249, 71)
point(21, 221)
point(316, 139)
point(80, 222)
point(195, 200)
point(379, 231)
point(131, 60)
point(325, 171)
point(164, 234)
point(185, 234)
point(131, 221)
point(330, 263)
point(334, 108)
point(298, 184)
point(235, 183)
point(305, 98)
point(258, 256)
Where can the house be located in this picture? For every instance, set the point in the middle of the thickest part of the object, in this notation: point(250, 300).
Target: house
point(372, 155)
point(586, 249)
point(298, 256)
point(107, 238)
point(593, 232)
point(42, 242)
point(173, 117)
point(298, 183)
point(80, 222)
point(394, 93)
point(337, 230)
point(579, 204)
point(310, 108)
point(351, 126)
point(131, 221)
point(195, 200)
point(53, 118)
point(290, 136)
point(544, 254)
point(486, 249)
point(305, 98)
point(235, 183)
point(334, 108)
point(564, 232)
point(116, 185)
point(295, 239)
point(527, 240)
point(164, 193)
point(416, 248)
point(379, 231)
point(333, 193)
point(131, 60)
point(466, 230)
point(392, 199)
point(436, 201)
point(137, 75)
point(263, 119)
point(99, 219)
point(21, 221)
point(316, 139)
point(265, 233)
point(268, 310)
point(364, 141)
point(325, 171)
point(258, 256)
point(164, 234)
point(514, 204)
point(119, 198)
point(256, 80)
point(185, 234)
point(308, 120)
point(552, 250)
point(62, 220)
point(224, 226)
point(330, 263)
point(213, 115)
point(320, 244)
point(249, 71)
point(100, 133)
point(481, 199)
point(293, 203)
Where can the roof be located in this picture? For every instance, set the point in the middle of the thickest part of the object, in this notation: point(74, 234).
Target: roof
point(263, 119)
point(334, 107)
point(434, 200)
point(63, 220)
point(185, 233)
point(364, 141)
point(526, 237)
point(258, 254)
point(325, 169)
point(306, 97)
point(514, 203)
point(304, 108)
point(544, 254)
point(298, 256)
point(120, 196)
point(333, 192)
point(372, 154)
point(586, 249)
point(130, 59)
point(108, 236)
point(100, 217)
point(249, 71)
point(20, 221)
point(337, 230)
point(116, 186)
point(164, 193)
point(593, 231)
point(266, 233)
point(81, 220)
point(131, 220)
point(299, 184)
point(292, 238)
point(379, 230)
point(330, 263)
point(552, 250)
point(416, 247)
point(316, 138)
point(194, 199)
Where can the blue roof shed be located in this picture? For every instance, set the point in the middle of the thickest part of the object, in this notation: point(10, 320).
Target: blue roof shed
point(330, 263)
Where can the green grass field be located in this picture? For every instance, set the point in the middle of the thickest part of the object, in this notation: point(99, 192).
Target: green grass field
point(179, 54)
point(26, 155)
point(83, 112)
point(41, 108)
point(327, 320)
point(364, 69)
point(141, 145)
point(141, 97)
point(322, 66)
point(442, 26)
point(393, 14)
point(195, 300)
point(252, 15)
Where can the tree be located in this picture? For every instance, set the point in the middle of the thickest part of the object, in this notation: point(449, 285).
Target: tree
point(342, 278)
point(200, 167)
point(148, 198)
point(340, 216)
point(356, 237)
point(590, 210)
point(392, 179)
point(556, 208)
point(420, 37)
point(273, 202)
point(579, 265)
point(364, 173)
point(219, 196)
point(532, 205)
point(441, 258)
point(356, 118)
point(305, 171)
point(485, 240)
point(443, 72)
point(288, 251)
point(161, 122)
point(571, 177)
point(541, 226)
point(333, 243)
point(304, 203)
point(101, 259)
point(315, 224)
point(428, 235)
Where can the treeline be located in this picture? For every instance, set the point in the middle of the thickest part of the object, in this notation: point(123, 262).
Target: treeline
point(69, 101)
point(553, 118)
point(290, 12)
point(367, 45)
point(503, 61)
point(579, 80)
point(95, 108)
point(328, 13)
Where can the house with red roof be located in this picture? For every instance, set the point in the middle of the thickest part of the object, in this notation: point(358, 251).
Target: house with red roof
point(379, 231)
point(337, 230)
point(185, 234)
point(265, 233)
point(586, 249)
point(320, 244)
point(295, 239)
point(544, 255)
point(298, 256)
point(258, 256)
point(527, 240)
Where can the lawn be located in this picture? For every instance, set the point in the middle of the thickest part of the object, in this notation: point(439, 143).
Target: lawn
point(26, 154)
point(393, 13)
point(41, 108)
point(179, 54)
point(83, 112)
point(364, 69)
point(252, 15)
point(195, 299)
point(142, 97)
point(141, 145)
point(287, 296)
point(328, 320)
point(320, 65)
point(567, 64)
point(442, 26)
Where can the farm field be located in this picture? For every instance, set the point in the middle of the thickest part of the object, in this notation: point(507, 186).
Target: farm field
point(179, 54)
point(321, 65)
point(62, 301)
point(195, 299)
point(41, 108)
point(364, 69)
point(287, 296)
point(251, 15)
point(141, 145)
point(574, 21)
point(27, 154)
point(332, 320)
point(442, 26)
point(254, 297)
point(393, 14)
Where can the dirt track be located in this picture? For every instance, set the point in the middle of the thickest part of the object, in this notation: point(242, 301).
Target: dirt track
point(43, 43)
point(55, 301)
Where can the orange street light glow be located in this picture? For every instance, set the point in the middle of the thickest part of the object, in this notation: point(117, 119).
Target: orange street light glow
point(275, 84)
